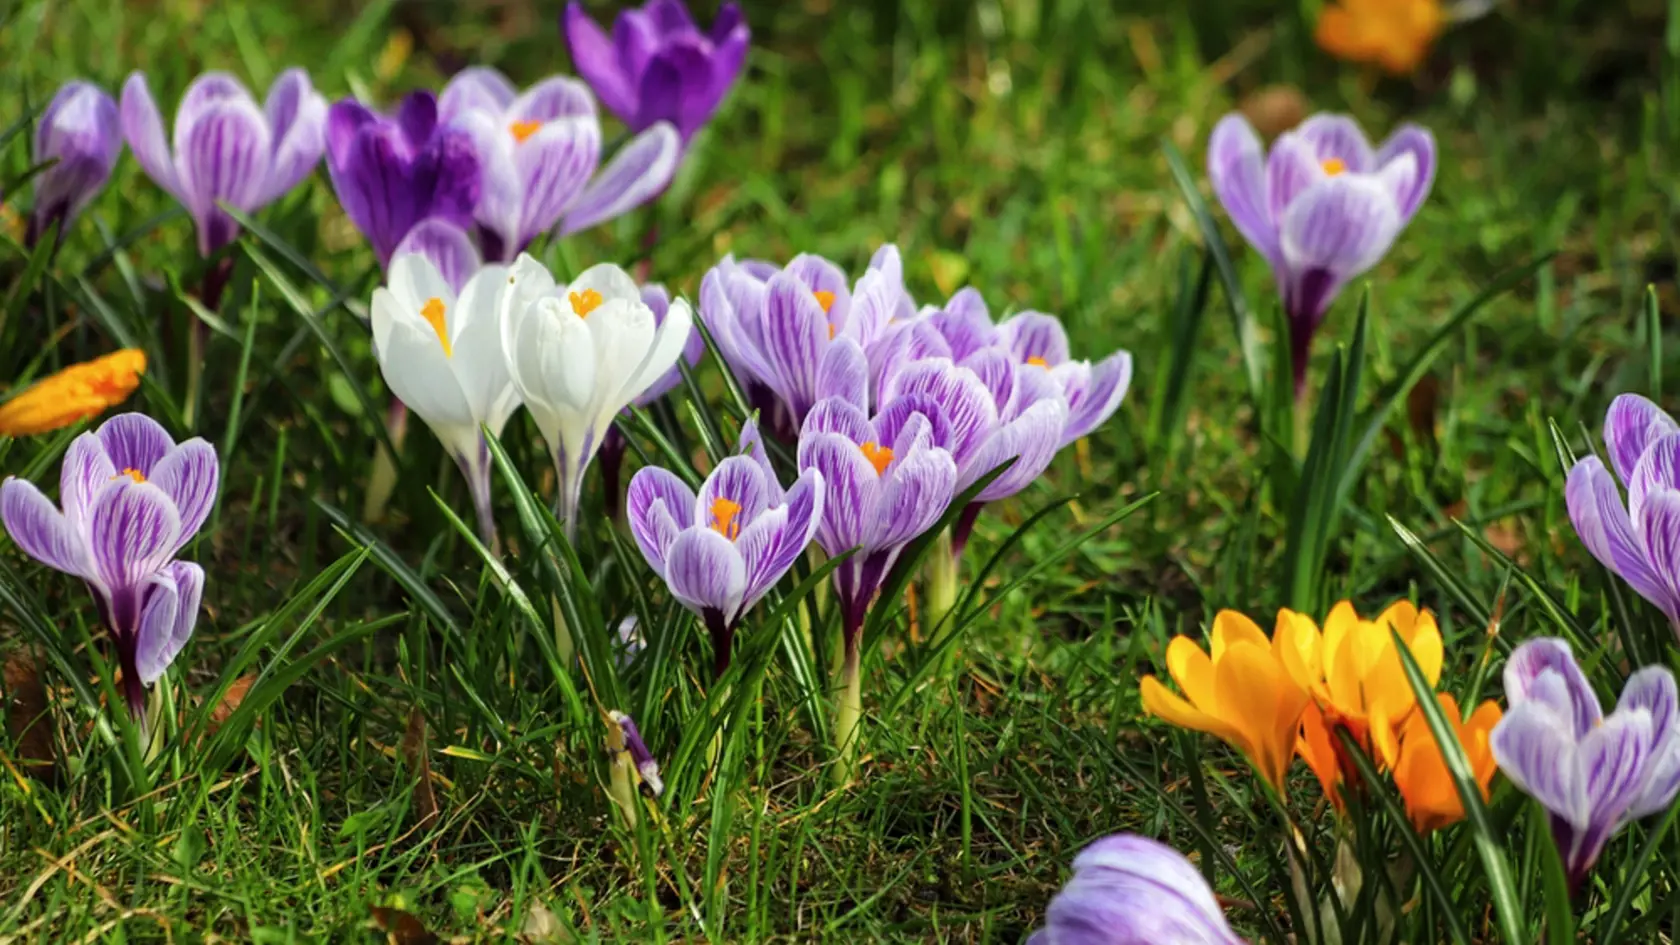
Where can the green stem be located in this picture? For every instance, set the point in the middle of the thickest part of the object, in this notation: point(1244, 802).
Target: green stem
point(849, 715)
point(940, 573)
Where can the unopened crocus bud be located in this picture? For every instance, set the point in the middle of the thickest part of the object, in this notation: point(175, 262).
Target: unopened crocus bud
point(79, 134)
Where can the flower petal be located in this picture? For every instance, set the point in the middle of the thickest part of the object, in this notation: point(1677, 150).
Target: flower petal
point(1567, 693)
point(638, 173)
point(142, 127)
point(1339, 138)
point(1535, 748)
point(596, 59)
point(133, 531)
point(134, 441)
point(188, 475)
point(914, 496)
point(1595, 509)
point(1237, 170)
point(850, 487)
point(475, 89)
point(41, 530)
point(706, 572)
point(1631, 425)
point(224, 157)
point(1420, 144)
point(658, 506)
point(446, 246)
point(297, 120)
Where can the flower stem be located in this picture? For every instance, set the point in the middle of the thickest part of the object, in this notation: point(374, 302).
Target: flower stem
point(848, 716)
point(383, 480)
point(477, 472)
point(940, 573)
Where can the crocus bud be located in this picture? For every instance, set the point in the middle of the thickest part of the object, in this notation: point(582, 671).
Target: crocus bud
point(79, 134)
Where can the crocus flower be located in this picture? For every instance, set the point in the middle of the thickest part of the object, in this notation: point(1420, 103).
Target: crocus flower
point(79, 133)
point(539, 152)
point(1093, 391)
point(658, 300)
point(647, 768)
point(1250, 693)
point(658, 65)
point(1395, 34)
point(886, 481)
point(1363, 689)
point(226, 148)
point(1130, 890)
point(440, 350)
point(79, 392)
point(578, 354)
point(722, 550)
point(1593, 773)
point(1323, 207)
point(132, 499)
point(797, 335)
point(393, 171)
point(1638, 541)
point(1420, 771)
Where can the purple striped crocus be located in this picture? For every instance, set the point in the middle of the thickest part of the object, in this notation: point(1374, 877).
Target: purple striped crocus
point(80, 135)
point(132, 499)
point(1593, 773)
point(886, 481)
point(721, 551)
point(393, 171)
point(226, 147)
point(1130, 890)
point(797, 335)
point(1638, 540)
point(540, 150)
point(1093, 391)
point(1323, 207)
point(657, 65)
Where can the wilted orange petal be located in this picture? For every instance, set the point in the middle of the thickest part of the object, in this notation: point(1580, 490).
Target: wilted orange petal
point(78, 392)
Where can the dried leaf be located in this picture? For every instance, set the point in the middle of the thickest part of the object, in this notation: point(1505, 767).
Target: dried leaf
point(27, 719)
point(224, 710)
point(1275, 109)
point(417, 754)
point(1422, 404)
point(401, 928)
point(543, 927)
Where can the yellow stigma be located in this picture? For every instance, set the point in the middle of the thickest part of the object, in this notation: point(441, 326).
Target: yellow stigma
point(78, 392)
point(433, 312)
point(723, 518)
point(524, 129)
point(584, 302)
point(825, 299)
point(131, 473)
point(1035, 359)
point(830, 332)
point(879, 456)
point(1334, 166)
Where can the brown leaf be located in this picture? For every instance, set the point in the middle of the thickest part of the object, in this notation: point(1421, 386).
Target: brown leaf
point(417, 754)
point(542, 927)
point(401, 928)
point(1422, 404)
point(1275, 109)
point(224, 710)
point(27, 718)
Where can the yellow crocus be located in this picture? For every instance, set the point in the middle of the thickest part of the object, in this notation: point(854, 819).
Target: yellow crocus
point(1432, 800)
point(1363, 688)
point(1249, 692)
point(1393, 34)
point(78, 392)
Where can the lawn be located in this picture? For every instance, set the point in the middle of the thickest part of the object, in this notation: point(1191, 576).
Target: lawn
point(379, 731)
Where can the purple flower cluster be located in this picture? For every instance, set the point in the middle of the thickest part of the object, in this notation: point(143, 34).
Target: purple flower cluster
point(1130, 890)
point(131, 500)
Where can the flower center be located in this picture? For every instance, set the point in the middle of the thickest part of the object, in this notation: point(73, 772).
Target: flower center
point(824, 298)
point(433, 312)
point(879, 456)
point(1035, 359)
point(131, 473)
point(1334, 166)
point(723, 518)
point(584, 302)
point(524, 129)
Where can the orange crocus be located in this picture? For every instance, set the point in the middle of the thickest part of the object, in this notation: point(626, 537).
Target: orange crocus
point(1394, 34)
point(78, 392)
point(1363, 688)
point(1432, 800)
point(1249, 692)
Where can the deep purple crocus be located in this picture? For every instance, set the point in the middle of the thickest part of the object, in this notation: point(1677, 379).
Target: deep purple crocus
point(132, 499)
point(226, 147)
point(393, 171)
point(658, 65)
point(1323, 207)
point(1593, 773)
point(540, 151)
point(723, 550)
point(1130, 890)
point(80, 135)
point(1638, 540)
point(797, 335)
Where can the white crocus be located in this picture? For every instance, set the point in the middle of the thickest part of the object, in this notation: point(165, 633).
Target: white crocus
point(579, 354)
point(441, 354)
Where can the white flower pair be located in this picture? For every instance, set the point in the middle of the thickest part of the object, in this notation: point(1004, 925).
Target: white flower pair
point(575, 355)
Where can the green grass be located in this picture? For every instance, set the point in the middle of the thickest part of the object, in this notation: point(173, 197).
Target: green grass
point(1015, 146)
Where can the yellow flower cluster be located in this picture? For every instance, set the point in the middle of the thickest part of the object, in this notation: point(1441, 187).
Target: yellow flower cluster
point(1278, 698)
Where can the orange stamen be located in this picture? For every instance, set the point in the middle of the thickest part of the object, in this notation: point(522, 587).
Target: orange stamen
point(825, 299)
point(1035, 359)
point(585, 302)
point(879, 456)
point(1334, 166)
point(723, 518)
point(831, 333)
point(524, 129)
point(433, 312)
point(131, 473)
